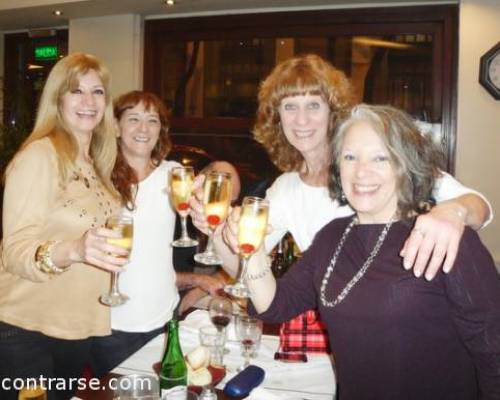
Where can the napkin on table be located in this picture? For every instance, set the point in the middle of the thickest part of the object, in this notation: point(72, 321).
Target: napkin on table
point(259, 393)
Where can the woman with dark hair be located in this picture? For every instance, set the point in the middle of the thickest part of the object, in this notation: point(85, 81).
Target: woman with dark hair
point(58, 195)
point(393, 336)
point(141, 176)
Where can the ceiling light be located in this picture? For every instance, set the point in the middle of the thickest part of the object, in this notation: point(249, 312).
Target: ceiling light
point(57, 13)
point(169, 2)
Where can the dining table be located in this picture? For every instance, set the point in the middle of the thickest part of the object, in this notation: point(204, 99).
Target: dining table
point(311, 380)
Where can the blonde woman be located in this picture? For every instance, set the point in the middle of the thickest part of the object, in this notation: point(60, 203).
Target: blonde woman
point(55, 258)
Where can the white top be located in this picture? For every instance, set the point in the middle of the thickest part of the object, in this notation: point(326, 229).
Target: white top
point(149, 278)
point(303, 210)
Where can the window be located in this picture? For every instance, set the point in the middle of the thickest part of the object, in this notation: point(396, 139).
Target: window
point(208, 69)
point(27, 66)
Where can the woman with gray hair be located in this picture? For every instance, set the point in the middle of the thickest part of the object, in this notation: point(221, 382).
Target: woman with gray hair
point(393, 336)
point(300, 105)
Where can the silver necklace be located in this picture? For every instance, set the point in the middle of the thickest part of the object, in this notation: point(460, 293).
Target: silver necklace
point(345, 291)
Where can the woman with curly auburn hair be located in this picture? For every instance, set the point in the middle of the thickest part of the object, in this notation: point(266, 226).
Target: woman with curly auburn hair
point(141, 175)
point(55, 259)
point(301, 103)
point(393, 336)
point(298, 76)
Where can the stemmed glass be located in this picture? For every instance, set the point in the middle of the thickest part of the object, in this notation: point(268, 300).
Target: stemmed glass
point(220, 310)
point(181, 182)
point(249, 332)
point(123, 224)
point(216, 199)
point(213, 339)
point(251, 232)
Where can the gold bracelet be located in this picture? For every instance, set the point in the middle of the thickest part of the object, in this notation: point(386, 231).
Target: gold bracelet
point(43, 259)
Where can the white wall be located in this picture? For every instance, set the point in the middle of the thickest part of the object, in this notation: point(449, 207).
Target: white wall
point(118, 41)
point(478, 135)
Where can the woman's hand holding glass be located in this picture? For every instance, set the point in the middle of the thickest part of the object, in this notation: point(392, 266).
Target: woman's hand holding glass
point(123, 226)
point(93, 248)
point(252, 228)
point(196, 208)
point(216, 201)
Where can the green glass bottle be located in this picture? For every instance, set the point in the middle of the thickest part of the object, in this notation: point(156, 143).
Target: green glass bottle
point(173, 374)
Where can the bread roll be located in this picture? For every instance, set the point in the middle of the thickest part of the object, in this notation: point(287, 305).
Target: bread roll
point(199, 377)
point(198, 358)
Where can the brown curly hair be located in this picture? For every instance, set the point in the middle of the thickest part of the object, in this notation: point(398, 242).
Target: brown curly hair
point(415, 157)
point(124, 177)
point(308, 74)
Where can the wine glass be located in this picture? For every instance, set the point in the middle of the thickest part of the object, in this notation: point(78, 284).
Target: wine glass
point(216, 199)
point(220, 310)
point(249, 332)
point(251, 232)
point(181, 182)
point(123, 224)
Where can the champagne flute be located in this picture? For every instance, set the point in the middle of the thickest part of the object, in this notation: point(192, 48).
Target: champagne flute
point(216, 199)
point(181, 182)
point(251, 232)
point(124, 225)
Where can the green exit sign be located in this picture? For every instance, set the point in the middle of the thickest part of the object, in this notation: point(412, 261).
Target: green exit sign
point(46, 52)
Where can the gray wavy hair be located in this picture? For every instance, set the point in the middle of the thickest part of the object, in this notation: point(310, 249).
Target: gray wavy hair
point(416, 158)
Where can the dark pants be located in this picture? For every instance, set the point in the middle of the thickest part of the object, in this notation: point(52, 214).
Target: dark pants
point(27, 354)
point(110, 351)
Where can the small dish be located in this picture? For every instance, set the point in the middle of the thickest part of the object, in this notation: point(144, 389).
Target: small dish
point(218, 375)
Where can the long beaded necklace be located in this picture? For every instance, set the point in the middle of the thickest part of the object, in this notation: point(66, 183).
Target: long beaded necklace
point(345, 291)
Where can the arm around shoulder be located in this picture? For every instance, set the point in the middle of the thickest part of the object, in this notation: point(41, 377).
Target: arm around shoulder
point(471, 206)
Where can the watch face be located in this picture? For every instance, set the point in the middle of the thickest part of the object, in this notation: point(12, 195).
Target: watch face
point(494, 70)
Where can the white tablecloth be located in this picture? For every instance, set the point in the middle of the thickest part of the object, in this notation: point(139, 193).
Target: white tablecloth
point(313, 380)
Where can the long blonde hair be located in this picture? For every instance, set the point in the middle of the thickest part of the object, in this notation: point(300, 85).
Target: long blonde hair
point(49, 123)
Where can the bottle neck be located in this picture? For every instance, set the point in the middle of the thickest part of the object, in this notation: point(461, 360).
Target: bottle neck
point(173, 350)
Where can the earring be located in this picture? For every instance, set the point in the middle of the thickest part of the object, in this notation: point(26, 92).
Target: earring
point(342, 197)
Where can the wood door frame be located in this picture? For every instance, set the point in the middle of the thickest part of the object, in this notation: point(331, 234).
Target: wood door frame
point(440, 21)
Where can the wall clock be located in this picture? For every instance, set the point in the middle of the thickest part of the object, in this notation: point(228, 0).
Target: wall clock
point(489, 71)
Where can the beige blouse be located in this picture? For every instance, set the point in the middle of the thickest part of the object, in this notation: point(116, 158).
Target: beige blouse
point(37, 208)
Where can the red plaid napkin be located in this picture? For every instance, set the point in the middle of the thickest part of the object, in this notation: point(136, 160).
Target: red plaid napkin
point(303, 334)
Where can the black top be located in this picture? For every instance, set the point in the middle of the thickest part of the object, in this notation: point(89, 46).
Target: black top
point(396, 336)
